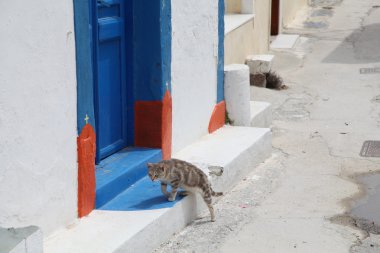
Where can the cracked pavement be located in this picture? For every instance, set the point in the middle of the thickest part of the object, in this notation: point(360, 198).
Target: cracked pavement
point(288, 203)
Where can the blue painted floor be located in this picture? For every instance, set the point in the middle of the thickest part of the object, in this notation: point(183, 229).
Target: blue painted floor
point(125, 161)
point(144, 195)
point(122, 182)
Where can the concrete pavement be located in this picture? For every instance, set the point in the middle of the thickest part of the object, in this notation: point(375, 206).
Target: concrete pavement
point(292, 201)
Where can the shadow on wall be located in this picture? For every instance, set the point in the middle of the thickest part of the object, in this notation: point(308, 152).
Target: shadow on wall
point(362, 46)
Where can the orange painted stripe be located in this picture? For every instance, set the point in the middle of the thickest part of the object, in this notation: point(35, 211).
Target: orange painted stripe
point(86, 170)
point(218, 117)
point(153, 124)
point(148, 124)
point(167, 126)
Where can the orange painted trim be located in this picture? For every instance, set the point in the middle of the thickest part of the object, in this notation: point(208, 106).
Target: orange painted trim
point(167, 126)
point(86, 170)
point(218, 117)
point(148, 124)
point(153, 124)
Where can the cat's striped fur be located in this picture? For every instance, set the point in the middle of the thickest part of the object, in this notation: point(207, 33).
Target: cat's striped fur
point(185, 175)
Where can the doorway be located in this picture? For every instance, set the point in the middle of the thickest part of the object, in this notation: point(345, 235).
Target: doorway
point(275, 17)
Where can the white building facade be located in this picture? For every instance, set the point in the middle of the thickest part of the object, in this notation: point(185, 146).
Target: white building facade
point(82, 81)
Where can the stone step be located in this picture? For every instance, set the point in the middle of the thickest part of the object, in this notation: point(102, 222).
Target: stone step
point(284, 41)
point(121, 170)
point(260, 63)
point(261, 114)
point(235, 149)
point(20, 240)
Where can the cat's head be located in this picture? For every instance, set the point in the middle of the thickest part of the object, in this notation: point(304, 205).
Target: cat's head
point(155, 171)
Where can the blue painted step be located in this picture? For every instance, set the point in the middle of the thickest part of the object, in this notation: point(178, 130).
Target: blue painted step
point(143, 195)
point(121, 170)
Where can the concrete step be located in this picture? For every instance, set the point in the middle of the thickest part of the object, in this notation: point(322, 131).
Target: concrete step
point(121, 170)
point(259, 63)
point(19, 240)
point(261, 114)
point(284, 41)
point(236, 149)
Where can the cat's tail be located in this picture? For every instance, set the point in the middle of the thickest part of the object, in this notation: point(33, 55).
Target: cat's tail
point(216, 194)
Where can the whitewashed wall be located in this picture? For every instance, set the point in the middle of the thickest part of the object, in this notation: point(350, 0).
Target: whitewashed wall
point(251, 37)
point(262, 22)
point(239, 43)
point(194, 68)
point(38, 170)
point(289, 9)
point(233, 6)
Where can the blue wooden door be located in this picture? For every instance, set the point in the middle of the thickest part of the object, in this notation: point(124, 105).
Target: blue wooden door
point(110, 81)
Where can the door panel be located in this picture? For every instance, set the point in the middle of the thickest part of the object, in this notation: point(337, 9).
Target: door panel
point(111, 77)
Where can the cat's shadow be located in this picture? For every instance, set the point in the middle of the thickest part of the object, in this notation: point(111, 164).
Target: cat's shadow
point(156, 202)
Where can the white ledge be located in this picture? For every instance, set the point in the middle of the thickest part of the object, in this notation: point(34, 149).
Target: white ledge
point(233, 21)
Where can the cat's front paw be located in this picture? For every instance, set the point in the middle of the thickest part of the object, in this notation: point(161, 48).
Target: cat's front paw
point(171, 199)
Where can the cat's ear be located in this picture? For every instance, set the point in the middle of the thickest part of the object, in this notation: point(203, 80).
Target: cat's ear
point(149, 165)
point(162, 168)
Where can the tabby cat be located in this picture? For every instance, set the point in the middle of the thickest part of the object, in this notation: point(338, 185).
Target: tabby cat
point(182, 174)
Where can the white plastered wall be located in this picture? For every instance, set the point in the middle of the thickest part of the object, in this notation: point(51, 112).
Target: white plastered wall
point(251, 37)
point(289, 9)
point(194, 68)
point(239, 43)
point(262, 22)
point(233, 6)
point(38, 171)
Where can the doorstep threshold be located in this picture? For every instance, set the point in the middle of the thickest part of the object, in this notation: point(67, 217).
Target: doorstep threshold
point(120, 171)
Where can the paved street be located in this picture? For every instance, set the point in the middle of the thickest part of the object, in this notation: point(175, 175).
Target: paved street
point(300, 199)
